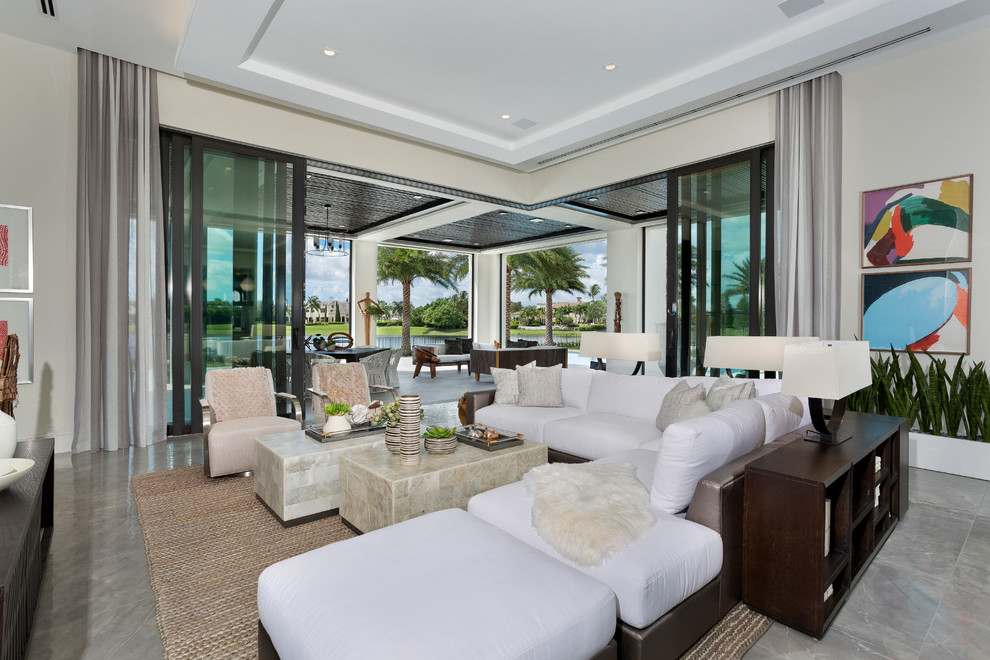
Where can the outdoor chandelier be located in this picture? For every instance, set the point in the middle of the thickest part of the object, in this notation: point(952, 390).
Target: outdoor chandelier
point(325, 244)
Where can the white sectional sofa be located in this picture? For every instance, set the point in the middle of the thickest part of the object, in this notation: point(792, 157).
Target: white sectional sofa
point(671, 585)
point(603, 413)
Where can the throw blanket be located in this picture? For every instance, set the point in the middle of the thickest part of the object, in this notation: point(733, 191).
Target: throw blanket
point(588, 512)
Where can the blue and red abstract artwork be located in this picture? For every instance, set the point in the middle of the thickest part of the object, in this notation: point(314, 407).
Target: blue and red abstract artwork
point(921, 310)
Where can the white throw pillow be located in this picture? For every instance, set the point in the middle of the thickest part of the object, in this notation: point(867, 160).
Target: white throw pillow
point(677, 401)
point(783, 413)
point(693, 448)
point(539, 387)
point(696, 409)
point(725, 390)
point(507, 385)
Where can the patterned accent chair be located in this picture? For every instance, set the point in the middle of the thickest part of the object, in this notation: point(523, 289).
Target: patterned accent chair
point(348, 380)
point(376, 365)
point(240, 407)
point(392, 373)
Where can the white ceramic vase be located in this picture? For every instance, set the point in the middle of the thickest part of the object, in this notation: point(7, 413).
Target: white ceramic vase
point(336, 424)
point(8, 435)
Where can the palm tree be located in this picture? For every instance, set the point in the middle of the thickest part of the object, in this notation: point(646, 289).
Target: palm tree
point(547, 272)
point(594, 290)
point(313, 305)
point(404, 266)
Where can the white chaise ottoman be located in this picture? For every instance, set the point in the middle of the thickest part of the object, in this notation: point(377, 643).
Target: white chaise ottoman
point(444, 585)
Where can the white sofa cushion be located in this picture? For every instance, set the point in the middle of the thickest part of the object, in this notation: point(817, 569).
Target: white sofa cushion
point(595, 435)
point(782, 413)
point(575, 385)
point(670, 562)
point(628, 396)
point(693, 448)
point(527, 421)
point(444, 585)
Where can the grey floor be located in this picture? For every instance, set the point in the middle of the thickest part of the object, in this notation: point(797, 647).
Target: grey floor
point(926, 595)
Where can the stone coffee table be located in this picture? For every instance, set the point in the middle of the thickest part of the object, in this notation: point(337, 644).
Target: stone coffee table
point(375, 491)
point(297, 477)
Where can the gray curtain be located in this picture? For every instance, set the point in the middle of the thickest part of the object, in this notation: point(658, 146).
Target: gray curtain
point(120, 267)
point(808, 159)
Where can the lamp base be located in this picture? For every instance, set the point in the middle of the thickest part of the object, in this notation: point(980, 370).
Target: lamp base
point(640, 368)
point(825, 438)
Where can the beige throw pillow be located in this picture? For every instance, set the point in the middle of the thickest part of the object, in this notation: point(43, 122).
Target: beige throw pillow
point(539, 387)
point(677, 402)
point(507, 384)
point(725, 390)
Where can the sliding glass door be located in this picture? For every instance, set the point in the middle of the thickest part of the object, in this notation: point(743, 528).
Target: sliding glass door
point(235, 250)
point(718, 242)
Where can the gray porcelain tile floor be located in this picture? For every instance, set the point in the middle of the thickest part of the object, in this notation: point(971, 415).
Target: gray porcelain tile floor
point(926, 595)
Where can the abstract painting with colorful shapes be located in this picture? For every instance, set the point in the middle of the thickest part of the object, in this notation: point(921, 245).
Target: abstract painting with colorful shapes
point(927, 222)
point(921, 310)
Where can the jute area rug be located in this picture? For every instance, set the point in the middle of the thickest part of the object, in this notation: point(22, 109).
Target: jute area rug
point(207, 541)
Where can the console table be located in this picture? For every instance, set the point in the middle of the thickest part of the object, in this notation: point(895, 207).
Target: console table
point(26, 521)
point(816, 515)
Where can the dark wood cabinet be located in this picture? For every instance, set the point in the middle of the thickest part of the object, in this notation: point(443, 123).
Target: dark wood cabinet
point(816, 515)
point(26, 520)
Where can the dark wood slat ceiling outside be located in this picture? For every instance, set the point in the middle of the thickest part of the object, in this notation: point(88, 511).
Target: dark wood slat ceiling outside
point(494, 229)
point(357, 205)
point(637, 203)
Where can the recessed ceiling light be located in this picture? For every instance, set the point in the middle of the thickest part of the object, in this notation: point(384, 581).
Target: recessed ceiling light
point(477, 243)
point(640, 212)
point(228, 168)
point(592, 199)
point(503, 213)
point(448, 240)
point(342, 226)
point(417, 197)
point(506, 116)
point(329, 52)
point(536, 219)
point(609, 67)
point(568, 226)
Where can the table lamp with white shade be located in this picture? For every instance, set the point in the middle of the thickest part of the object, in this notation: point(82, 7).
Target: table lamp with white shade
point(638, 347)
point(751, 353)
point(826, 370)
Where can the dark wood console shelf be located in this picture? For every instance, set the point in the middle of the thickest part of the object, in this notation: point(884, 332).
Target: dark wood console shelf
point(786, 571)
point(26, 520)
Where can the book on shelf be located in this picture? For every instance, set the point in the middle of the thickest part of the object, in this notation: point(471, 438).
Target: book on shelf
point(828, 526)
point(878, 462)
point(828, 593)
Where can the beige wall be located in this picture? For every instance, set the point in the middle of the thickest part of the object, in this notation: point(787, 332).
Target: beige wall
point(489, 299)
point(917, 118)
point(38, 169)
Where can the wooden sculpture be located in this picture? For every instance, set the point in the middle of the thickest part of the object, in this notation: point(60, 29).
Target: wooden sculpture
point(618, 312)
point(8, 375)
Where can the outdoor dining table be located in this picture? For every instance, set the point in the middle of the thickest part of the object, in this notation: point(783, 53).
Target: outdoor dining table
point(352, 354)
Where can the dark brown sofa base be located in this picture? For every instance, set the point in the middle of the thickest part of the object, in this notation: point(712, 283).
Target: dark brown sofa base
point(676, 631)
point(266, 650)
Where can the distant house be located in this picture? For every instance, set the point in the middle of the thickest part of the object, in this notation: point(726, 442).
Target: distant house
point(331, 311)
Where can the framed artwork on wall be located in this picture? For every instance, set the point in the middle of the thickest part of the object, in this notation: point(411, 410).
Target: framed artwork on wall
point(918, 223)
point(17, 318)
point(921, 309)
point(16, 250)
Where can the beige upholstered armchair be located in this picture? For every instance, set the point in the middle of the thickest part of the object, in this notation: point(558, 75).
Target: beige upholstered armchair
point(350, 382)
point(240, 407)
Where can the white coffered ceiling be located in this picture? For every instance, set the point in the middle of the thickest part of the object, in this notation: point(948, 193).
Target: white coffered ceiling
point(444, 72)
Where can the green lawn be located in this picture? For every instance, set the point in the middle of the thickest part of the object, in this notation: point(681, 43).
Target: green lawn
point(384, 330)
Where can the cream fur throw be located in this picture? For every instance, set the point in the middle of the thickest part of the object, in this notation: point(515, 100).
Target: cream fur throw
point(589, 511)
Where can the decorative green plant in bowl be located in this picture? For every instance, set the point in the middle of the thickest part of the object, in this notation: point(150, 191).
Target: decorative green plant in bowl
point(438, 432)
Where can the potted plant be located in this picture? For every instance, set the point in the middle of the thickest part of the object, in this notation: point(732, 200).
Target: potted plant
point(335, 411)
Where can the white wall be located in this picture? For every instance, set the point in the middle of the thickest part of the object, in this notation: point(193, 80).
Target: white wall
point(489, 298)
point(38, 169)
point(917, 118)
point(364, 279)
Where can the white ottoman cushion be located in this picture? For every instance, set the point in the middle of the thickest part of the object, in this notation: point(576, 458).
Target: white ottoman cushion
point(445, 585)
point(670, 562)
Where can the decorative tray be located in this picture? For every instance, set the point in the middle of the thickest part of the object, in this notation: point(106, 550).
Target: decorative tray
point(504, 439)
point(357, 430)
